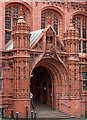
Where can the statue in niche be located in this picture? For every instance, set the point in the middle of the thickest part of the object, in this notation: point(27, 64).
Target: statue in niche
point(49, 43)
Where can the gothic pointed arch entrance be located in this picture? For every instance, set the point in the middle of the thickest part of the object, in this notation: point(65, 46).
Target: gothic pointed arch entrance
point(47, 81)
point(41, 85)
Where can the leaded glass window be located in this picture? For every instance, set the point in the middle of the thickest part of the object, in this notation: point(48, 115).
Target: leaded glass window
point(14, 21)
point(50, 17)
point(84, 32)
point(84, 75)
point(79, 30)
point(7, 23)
point(0, 84)
point(12, 12)
point(80, 23)
point(84, 46)
point(80, 46)
point(7, 37)
point(84, 85)
point(56, 28)
point(42, 25)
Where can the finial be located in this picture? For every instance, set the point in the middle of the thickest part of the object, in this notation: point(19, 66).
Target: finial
point(20, 10)
point(21, 19)
point(71, 20)
point(71, 27)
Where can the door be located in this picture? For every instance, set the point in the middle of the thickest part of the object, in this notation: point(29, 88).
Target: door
point(44, 93)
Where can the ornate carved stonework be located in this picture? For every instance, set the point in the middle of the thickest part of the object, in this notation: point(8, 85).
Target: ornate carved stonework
point(50, 32)
point(51, 54)
point(39, 45)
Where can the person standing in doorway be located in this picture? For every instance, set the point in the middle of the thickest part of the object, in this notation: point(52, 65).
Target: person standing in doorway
point(32, 102)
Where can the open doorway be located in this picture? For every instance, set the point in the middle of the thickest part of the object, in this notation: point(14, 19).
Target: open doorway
point(41, 85)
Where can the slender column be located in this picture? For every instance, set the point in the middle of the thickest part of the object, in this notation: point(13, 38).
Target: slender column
point(27, 75)
point(17, 42)
point(76, 46)
point(21, 74)
point(22, 41)
point(25, 42)
point(17, 76)
point(14, 43)
point(81, 46)
point(15, 73)
point(2, 79)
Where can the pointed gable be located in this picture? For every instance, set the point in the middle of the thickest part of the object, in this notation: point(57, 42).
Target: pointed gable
point(39, 41)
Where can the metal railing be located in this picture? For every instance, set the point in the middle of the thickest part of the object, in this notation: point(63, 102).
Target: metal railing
point(65, 105)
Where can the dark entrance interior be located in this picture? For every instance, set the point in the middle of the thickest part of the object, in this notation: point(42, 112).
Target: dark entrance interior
point(41, 85)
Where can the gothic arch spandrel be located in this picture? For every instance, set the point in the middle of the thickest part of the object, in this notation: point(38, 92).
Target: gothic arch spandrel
point(58, 73)
point(49, 45)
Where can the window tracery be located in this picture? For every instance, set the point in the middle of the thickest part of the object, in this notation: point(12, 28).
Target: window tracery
point(12, 12)
point(80, 23)
point(84, 73)
point(50, 17)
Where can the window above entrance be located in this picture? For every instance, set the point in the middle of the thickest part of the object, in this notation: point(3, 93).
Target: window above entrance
point(50, 17)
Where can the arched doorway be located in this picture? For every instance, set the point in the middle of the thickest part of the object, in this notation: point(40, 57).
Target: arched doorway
point(48, 81)
point(41, 85)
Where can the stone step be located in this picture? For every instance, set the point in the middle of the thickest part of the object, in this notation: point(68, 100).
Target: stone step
point(44, 111)
point(50, 114)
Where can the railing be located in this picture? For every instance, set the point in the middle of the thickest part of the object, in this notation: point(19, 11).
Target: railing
point(65, 105)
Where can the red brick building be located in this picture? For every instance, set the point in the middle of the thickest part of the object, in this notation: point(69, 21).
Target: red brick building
point(46, 40)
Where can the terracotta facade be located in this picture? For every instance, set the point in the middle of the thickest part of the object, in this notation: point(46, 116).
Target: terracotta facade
point(57, 58)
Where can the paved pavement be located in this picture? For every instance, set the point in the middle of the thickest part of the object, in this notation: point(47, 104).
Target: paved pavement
point(46, 119)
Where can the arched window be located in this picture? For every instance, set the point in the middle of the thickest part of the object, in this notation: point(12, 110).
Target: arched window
point(50, 17)
point(12, 12)
point(80, 23)
point(84, 78)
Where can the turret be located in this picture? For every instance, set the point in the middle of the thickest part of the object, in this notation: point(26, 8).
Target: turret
point(71, 39)
point(21, 34)
point(21, 63)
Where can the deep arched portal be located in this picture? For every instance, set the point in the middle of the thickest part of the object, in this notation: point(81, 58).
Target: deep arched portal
point(41, 85)
point(48, 76)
